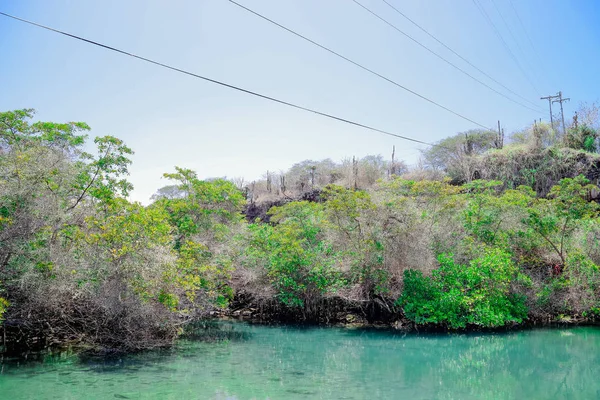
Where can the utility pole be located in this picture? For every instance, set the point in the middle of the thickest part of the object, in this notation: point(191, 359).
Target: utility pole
point(550, 101)
point(562, 114)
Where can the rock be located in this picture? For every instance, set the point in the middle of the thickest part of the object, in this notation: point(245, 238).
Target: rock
point(353, 318)
point(354, 321)
point(403, 325)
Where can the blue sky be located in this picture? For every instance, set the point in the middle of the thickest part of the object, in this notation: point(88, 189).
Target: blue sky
point(171, 119)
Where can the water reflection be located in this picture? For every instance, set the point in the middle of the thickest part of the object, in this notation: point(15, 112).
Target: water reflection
point(257, 362)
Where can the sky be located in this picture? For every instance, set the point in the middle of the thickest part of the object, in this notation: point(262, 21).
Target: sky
point(171, 119)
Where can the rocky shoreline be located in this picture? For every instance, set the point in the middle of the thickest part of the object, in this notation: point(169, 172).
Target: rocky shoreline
point(372, 315)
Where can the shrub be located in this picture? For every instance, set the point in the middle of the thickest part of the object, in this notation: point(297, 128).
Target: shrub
point(460, 295)
point(300, 263)
point(576, 290)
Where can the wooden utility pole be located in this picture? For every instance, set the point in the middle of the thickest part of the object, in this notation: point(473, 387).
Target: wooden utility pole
point(550, 100)
point(562, 114)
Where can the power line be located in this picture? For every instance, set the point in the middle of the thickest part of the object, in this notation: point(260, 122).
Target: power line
point(537, 54)
point(357, 64)
point(507, 26)
point(439, 56)
point(499, 35)
point(510, 32)
point(456, 53)
point(218, 82)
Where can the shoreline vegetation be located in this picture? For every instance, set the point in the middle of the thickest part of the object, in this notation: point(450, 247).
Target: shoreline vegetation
point(481, 235)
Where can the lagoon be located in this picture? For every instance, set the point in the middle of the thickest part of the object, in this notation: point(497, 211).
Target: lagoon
point(291, 362)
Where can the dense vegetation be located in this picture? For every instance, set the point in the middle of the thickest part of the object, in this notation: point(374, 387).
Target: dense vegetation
point(79, 263)
point(435, 245)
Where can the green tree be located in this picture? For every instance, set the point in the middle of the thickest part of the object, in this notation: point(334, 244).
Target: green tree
point(483, 214)
point(352, 215)
point(300, 263)
point(460, 295)
point(203, 207)
point(582, 137)
point(78, 262)
point(455, 154)
point(556, 218)
point(102, 177)
point(203, 215)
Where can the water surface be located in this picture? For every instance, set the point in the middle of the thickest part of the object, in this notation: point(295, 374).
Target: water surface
point(259, 362)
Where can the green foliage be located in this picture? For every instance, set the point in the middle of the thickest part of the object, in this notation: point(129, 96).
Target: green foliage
point(204, 207)
point(17, 132)
point(434, 197)
point(458, 295)
point(300, 262)
point(127, 229)
point(483, 214)
point(582, 138)
point(583, 273)
point(199, 272)
point(579, 285)
point(102, 177)
point(72, 246)
point(202, 215)
point(4, 304)
point(555, 219)
point(349, 211)
point(575, 291)
point(346, 205)
point(452, 154)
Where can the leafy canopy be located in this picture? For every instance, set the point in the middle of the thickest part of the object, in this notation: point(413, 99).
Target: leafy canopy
point(460, 295)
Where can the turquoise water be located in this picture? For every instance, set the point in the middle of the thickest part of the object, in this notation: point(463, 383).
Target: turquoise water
point(259, 362)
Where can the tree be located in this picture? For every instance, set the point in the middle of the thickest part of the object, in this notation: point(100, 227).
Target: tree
point(588, 114)
point(454, 154)
point(352, 215)
point(582, 137)
point(460, 295)
point(78, 262)
point(102, 177)
point(202, 214)
point(536, 137)
point(300, 263)
point(168, 192)
point(555, 219)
